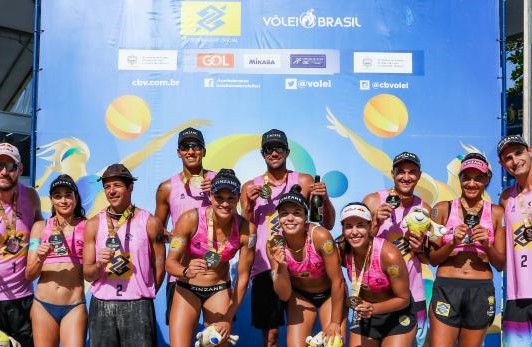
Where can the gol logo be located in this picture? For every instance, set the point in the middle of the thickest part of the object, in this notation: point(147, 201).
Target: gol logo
point(216, 60)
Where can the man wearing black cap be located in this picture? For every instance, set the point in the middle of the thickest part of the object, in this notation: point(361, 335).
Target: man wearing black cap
point(184, 191)
point(514, 156)
point(20, 207)
point(259, 200)
point(388, 207)
point(123, 258)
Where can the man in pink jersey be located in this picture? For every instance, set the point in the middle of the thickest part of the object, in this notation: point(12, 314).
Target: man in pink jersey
point(259, 200)
point(19, 208)
point(389, 206)
point(184, 191)
point(514, 156)
point(123, 258)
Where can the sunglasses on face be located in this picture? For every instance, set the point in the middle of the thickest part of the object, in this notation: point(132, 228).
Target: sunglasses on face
point(186, 146)
point(10, 167)
point(270, 149)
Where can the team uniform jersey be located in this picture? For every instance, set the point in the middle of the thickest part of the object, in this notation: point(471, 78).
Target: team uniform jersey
point(374, 279)
point(455, 220)
point(14, 248)
point(517, 320)
point(266, 218)
point(73, 243)
point(129, 275)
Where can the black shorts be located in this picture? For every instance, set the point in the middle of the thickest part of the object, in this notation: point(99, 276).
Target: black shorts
point(463, 303)
point(15, 319)
point(267, 311)
point(316, 299)
point(379, 326)
point(170, 290)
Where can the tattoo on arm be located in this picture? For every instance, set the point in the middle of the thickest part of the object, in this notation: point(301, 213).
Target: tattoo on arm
point(393, 271)
point(327, 247)
point(159, 238)
point(177, 242)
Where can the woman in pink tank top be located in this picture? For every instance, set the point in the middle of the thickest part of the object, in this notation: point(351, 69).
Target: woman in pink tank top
point(463, 299)
point(380, 298)
point(58, 313)
point(306, 272)
point(203, 242)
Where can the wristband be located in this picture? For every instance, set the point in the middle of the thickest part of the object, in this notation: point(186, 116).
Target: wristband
point(185, 270)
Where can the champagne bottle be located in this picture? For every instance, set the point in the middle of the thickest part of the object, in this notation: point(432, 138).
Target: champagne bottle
point(316, 205)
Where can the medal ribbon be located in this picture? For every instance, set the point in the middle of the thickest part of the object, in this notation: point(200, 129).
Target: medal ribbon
point(111, 228)
point(58, 229)
point(11, 228)
point(210, 237)
point(187, 178)
point(356, 284)
point(472, 210)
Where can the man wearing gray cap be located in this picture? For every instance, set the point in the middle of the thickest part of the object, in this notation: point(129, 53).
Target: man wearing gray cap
point(20, 207)
point(514, 156)
point(123, 258)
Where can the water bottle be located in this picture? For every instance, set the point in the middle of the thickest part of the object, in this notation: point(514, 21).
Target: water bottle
point(316, 205)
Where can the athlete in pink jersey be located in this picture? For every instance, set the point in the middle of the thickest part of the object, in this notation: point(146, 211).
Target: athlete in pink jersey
point(184, 191)
point(58, 313)
point(123, 258)
point(19, 208)
point(463, 298)
point(389, 207)
point(203, 242)
point(266, 309)
point(514, 156)
point(383, 310)
point(306, 272)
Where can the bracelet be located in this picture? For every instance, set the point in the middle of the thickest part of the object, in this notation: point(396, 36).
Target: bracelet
point(185, 270)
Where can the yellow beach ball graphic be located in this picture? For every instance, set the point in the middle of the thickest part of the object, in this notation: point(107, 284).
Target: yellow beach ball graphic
point(128, 117)
point(385, 115)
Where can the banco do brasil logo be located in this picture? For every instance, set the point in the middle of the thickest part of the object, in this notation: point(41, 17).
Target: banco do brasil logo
point(210, 18)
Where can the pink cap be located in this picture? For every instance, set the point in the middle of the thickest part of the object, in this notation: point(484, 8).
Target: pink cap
point(474, 163)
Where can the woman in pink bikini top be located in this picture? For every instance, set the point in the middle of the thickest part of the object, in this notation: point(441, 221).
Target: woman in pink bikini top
point(380, 296)
point(203, 242)
point(306, 272)
point(58, 313)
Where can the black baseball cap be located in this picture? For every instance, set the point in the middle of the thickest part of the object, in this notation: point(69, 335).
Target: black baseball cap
point(510, 140)
point(227, 179)
point(274, 136)
point(294, 196)
point(406, 156)
point(118, 171)
point(190, 134)
point(63, 181)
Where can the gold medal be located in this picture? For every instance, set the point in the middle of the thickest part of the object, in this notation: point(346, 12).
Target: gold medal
point(265, 191)
point(196, 181)
point(353, 301)
point(57, 241)
point(276, 240)
point(212, 259)
point(12, 245)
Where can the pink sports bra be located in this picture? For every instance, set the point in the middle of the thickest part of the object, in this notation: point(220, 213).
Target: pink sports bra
point(312, 265)
point(73, 244)
point(199, 243)
point(374, 279)
point(455, 220)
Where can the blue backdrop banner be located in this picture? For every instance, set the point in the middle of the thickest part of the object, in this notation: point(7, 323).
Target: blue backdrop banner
point(352, 83)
